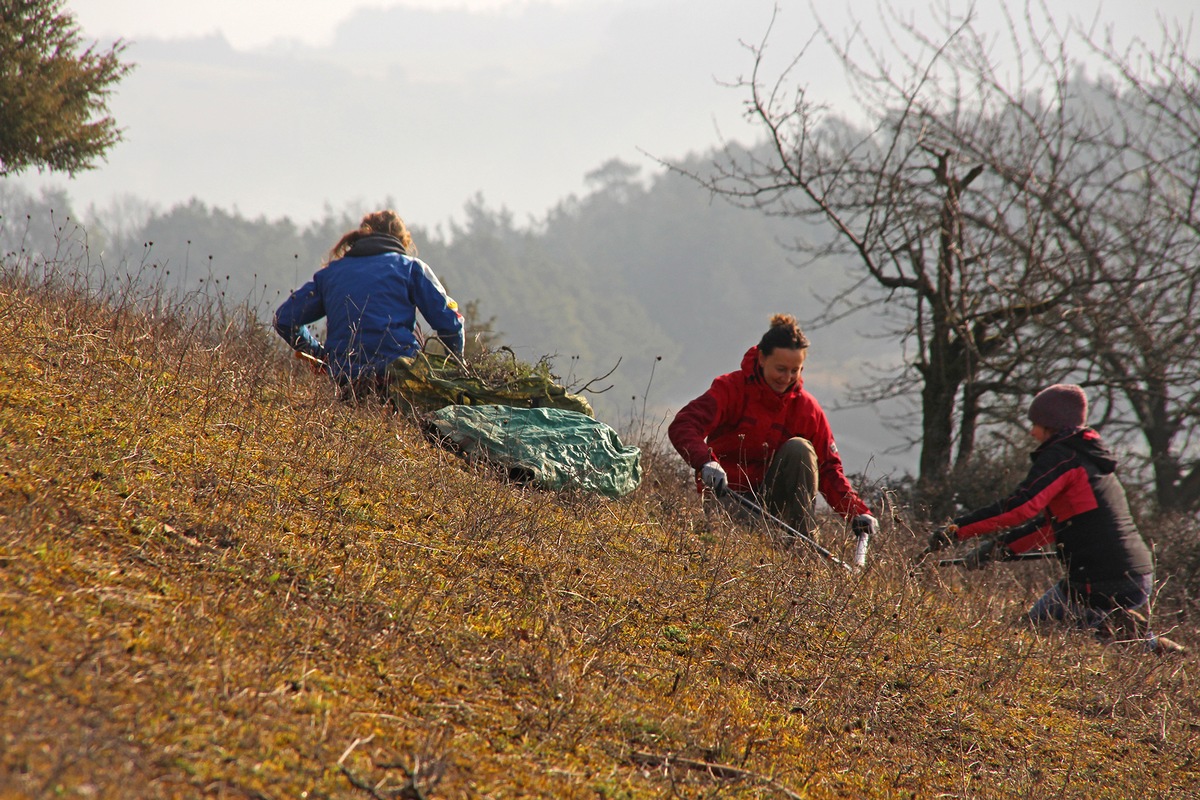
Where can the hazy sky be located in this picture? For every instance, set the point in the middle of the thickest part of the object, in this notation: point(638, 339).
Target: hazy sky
point(250, 23)
point(285, 107)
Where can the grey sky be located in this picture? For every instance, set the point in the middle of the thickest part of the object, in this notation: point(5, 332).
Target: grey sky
point(255, 24)
point(282, 107)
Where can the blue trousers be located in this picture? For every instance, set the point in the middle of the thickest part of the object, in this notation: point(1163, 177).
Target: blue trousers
point(1087, 606)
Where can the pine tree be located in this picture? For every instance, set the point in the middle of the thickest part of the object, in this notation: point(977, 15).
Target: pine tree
point(53, 94)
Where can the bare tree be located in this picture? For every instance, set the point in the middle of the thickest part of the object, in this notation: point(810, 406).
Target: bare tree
point(982, 214)
point(1138, 266)
point(1109, 170)
point(903, 203)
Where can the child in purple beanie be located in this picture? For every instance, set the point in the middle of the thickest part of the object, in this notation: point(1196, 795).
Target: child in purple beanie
point(1073, 499)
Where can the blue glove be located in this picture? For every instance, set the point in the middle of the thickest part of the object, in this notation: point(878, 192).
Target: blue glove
point(980, 556)
point(713, 476)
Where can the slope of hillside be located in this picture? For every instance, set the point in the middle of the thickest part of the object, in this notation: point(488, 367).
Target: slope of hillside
point(217, 582)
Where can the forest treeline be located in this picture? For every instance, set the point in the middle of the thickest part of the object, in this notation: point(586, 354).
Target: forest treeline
point(948, 309)
point(647, 274)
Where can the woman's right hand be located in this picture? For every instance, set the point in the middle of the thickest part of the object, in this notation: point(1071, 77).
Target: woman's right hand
point(713, 476)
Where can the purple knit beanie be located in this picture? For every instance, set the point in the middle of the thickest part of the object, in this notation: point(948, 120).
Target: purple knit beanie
point(1060, 407)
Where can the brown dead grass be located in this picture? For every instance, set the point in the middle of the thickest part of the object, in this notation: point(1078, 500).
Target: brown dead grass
point(215, 581)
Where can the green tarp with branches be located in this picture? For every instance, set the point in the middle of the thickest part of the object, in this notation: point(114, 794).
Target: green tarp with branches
point(551, 447)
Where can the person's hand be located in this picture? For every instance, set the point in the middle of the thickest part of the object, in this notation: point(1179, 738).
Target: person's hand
point(713, 476)
point(315, 364)
point(941, 537)
point(864, 524)
point(986, 553)
point(979, 557)
point(864, 527)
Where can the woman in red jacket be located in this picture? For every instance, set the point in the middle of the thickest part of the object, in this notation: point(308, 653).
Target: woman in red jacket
point(758, 431)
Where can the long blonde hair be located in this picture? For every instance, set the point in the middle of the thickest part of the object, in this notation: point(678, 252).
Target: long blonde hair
point(387, 222)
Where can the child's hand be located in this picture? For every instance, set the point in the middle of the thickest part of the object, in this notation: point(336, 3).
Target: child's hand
point(942, 537)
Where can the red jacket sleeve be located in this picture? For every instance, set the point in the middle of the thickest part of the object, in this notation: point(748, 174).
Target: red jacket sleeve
point(691, 427)
point(1055, 474)
point(1032, 535)
point(831, 476)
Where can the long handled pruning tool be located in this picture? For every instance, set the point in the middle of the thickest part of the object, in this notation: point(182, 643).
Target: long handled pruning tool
point(1036, 555)
point(860, 553)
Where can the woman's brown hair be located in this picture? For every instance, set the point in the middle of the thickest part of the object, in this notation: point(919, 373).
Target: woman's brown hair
point(784, 332)
point(387, 222)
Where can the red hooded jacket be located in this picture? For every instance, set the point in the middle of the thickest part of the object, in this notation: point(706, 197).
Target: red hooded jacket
point(741, 422)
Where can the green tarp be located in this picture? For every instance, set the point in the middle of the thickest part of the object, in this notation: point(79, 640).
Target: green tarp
point(554, 448)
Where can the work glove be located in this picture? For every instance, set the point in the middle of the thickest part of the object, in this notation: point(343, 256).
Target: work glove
point(988, 551)
point(864, 527)
point(864, 524)
point(941, 537)
point(979, 557)
point(713, 476)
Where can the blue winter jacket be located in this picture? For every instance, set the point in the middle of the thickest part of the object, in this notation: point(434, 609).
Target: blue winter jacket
point(369, 299)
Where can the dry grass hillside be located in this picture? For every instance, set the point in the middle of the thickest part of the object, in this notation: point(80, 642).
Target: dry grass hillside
point(215, 581)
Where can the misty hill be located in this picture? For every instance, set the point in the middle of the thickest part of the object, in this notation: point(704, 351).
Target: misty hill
point(427, 105)
point(217, 581)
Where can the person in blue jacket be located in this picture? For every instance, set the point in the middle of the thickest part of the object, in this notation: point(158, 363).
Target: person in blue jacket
point(369, 293)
